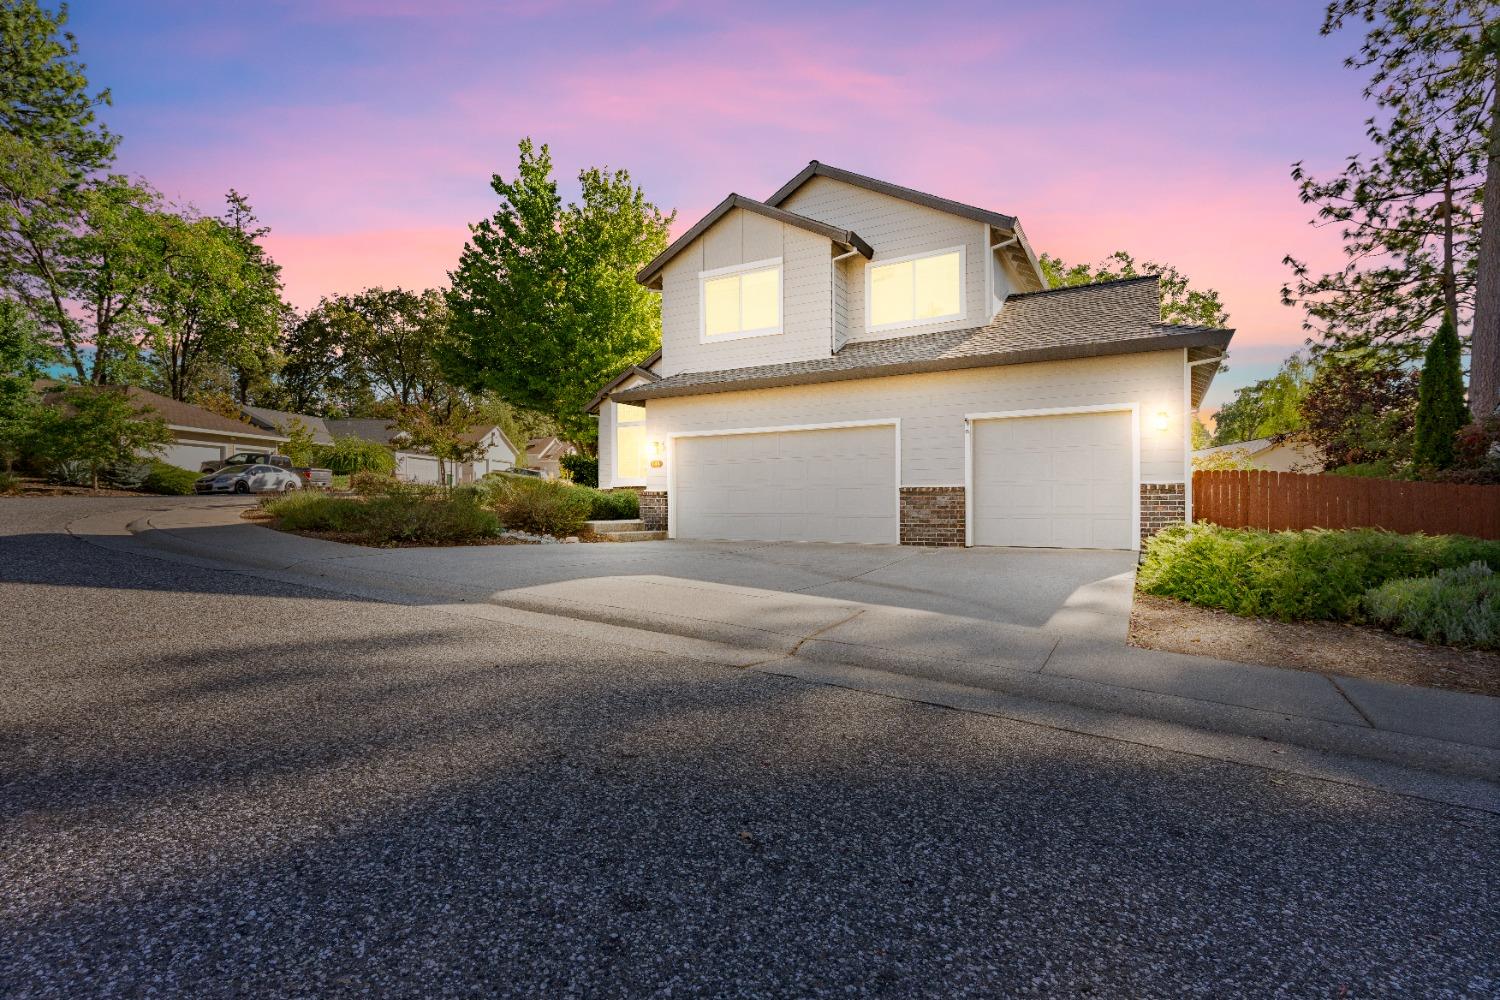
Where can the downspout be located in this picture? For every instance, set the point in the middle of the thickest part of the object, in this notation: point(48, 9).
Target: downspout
point(833, 318)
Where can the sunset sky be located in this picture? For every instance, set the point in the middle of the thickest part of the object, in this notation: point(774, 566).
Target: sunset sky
point(365, 131)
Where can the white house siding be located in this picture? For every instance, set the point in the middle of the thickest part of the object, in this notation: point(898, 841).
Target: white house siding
point(742, 237)
point(895, 228)
point(931, 408)
point(189, 448)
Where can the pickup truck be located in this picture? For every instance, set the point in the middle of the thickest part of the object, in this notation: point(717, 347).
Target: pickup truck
point(311, 478)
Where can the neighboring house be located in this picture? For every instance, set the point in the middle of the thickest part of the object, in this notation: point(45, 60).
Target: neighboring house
point(412, 464)
point(200, 435)
point(854, 361)
point(281, 421)
point(497, 454)
point(544, 454)
point(1283, 453)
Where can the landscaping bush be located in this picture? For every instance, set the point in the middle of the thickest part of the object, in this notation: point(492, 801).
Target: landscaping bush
point(581, 469)
point(1295, 574)
point(369, 484)
point(615, 505)
point(169, 480)
point(127, 475)
point(70, 471)
point(403, 515)
point(9, 483)
point(551, 508)
point(348, 455)
point(1458, 607)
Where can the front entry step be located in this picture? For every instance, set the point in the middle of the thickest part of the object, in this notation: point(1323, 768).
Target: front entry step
point(624, 531)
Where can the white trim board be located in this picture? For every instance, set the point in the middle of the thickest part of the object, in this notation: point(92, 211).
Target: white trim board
point(671, 440)
point(1134, 409)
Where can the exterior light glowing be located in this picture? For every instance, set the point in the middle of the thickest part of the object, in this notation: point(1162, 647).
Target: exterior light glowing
point(1163, 421)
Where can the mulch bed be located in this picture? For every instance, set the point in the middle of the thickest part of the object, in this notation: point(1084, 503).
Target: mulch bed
point(32, 486)
point(260, 517)
point(1321, 647)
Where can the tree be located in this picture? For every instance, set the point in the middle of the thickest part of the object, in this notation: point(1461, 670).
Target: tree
point(1268, 407)
point(442, 427)
point(1408, 212)
point(1201, 436)
point(1360, 409)
point(544, 303)
point(1441, 409)
point(1180, 302)
point(98, 428)
point(299, 447)
point(21, 358)
point(318, 375)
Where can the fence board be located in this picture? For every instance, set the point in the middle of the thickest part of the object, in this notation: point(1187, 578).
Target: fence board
point(1291, 501)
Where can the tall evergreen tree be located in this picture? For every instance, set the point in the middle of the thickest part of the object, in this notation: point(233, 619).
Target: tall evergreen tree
point(1441, 409)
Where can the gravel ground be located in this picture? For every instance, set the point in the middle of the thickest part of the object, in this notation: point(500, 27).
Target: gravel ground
point(212, 785)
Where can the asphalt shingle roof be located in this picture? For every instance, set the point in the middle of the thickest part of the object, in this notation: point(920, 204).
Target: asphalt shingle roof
point(1117, 317)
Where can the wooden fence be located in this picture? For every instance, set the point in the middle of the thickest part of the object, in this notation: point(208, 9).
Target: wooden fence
point(1288, 500)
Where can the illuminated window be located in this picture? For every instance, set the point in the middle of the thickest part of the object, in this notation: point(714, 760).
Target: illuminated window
point(630, 442)
point(917, 290)
point(743, 301)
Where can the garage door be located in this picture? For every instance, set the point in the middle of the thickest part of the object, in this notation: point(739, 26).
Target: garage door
point(191, 456)
point(836, 485)
point(417, 469)
point(1063, 481)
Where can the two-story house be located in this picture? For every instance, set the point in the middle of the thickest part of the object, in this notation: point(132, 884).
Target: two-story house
point(854, 361)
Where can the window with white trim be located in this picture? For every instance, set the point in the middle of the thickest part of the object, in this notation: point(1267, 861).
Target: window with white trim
point(740, 301)
point(630, 443)
point(915, 291)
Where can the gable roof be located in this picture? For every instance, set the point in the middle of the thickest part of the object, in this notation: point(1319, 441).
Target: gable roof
point(378, 429)
point(178, 415)
point(650, 275)
point(815, 169)
point(281, 420)
point(543, 447)
point(1116, 317)
point(645, 370)
point(478, 433)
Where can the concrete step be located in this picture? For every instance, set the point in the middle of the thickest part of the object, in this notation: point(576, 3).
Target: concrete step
point(632, 536)
point(605, 527)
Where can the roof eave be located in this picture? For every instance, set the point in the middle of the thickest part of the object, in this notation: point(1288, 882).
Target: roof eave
point(816, 169)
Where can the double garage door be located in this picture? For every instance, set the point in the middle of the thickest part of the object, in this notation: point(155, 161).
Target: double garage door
point(1056, 480)
point(829, 485)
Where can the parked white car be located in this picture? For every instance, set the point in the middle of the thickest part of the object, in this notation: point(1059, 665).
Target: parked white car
point(249, 479)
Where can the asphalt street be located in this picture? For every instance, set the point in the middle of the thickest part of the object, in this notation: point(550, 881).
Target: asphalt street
point(213, 785)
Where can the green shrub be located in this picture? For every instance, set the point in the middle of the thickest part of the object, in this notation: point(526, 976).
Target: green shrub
point(169, 480)
point(1294, 574)
point(1383, 469)
point(1458, 606)
point(407, 515)
point(369, 484)
point(71, 471)
point(551, 508)
point(9, 483)
point(615, 505)
point(348, 455)
point(127, 475)
point(581, 469)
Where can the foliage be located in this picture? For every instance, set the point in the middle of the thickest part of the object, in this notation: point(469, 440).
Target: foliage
point(1268, 407)
point(1408, 213)
point(442, 426)
point(545, 306)
point(613, 505)
point(1382, 469)
point(1202, 438)
point(9, 483)
point(1229, 460)
point(371, 484)
point(410, 514)
point(1294, 574)
point(580, 468)
point(1441, 410)
point(169, 480)
point(1459, 606)
point(1180, 303)
point(300, 446)
point(95, 428)
point(530, 504)
point(348, 455)
point(127, 475)
point(1475, 443)
point(1360, 408)
point(21, 356)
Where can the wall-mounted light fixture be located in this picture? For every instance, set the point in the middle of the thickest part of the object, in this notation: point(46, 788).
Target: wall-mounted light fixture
point(1163, 421)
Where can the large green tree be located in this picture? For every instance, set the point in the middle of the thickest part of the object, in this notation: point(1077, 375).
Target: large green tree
point(21, 358)
point(1409, 210)
point(544, 303)
point(1360, 410)
point(1180, 302)
point(1441, 409)
point(1267, 407)
point(97, 428)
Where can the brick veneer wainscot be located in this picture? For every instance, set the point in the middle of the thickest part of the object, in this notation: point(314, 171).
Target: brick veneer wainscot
point(1162, 504)
point(932, 515)
point(654, 510)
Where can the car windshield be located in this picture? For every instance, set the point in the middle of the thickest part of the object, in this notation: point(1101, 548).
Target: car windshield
point(230, 470)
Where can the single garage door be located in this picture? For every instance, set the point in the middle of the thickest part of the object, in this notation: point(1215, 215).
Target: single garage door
point(417, 468)
point(1056, 481)
point(834, 485)
point(191, 456)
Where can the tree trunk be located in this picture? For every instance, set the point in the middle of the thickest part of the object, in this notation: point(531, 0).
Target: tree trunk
point(1484, 345)
point(1450, 279)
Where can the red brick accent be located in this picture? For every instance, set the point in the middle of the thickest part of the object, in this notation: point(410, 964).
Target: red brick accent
point(654, 510)
point(1161, 504)
point(932, 515)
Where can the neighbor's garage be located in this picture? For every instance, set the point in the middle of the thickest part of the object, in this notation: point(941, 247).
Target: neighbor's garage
point(191, 456)
point(827, 485)
point(1058, 481)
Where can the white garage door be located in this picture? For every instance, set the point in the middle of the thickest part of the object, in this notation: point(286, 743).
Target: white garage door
point(191, 456)
point(417, 468)
point(1063, 481)
point(836, 485)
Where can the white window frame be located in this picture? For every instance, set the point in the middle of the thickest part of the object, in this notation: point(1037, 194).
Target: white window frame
point(614, 444)
point(963, 297)
point(704, 277)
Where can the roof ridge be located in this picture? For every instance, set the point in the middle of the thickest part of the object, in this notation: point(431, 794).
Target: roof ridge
point(1087, 286)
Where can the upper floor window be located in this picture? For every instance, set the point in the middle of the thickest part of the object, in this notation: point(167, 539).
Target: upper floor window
point(740, 301)
point(915, 291)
